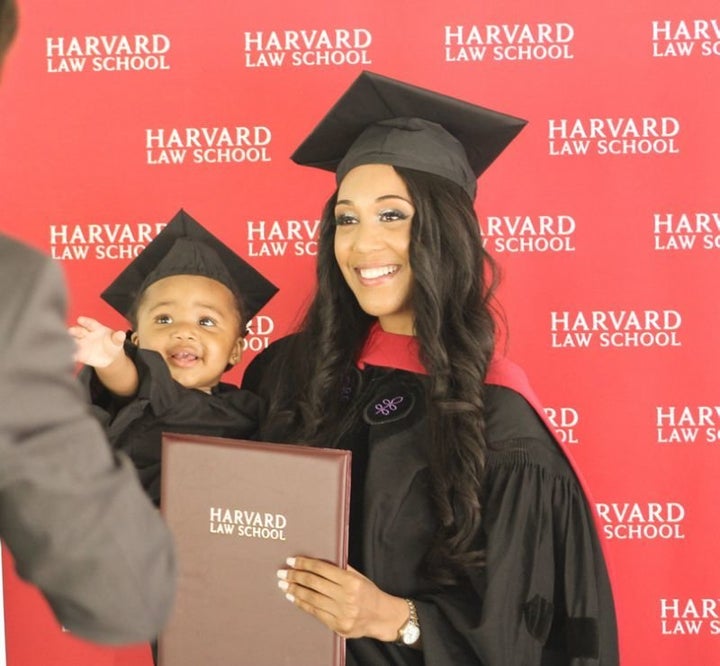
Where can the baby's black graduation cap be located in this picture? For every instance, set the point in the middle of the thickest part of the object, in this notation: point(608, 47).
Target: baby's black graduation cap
point(184, 247)
point(379, 120)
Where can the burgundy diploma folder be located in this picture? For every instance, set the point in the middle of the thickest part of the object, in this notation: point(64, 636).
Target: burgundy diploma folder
point(237, 510)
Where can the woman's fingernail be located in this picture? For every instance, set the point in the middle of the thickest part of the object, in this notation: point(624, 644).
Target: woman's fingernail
point(282, 574)
point(283, 585)
point(290, 597)
point(290, 561)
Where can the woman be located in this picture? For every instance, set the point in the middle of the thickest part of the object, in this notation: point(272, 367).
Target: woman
point(471, 540)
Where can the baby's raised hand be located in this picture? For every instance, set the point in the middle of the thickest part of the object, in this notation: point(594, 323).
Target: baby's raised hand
point(96, 344)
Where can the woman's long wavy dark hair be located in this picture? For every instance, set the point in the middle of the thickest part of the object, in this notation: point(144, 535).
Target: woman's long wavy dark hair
point(453, 284)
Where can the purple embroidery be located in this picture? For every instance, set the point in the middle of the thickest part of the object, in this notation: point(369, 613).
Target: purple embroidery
point(388, 405)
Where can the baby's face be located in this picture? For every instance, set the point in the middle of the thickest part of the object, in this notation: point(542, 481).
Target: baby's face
point(194, 323)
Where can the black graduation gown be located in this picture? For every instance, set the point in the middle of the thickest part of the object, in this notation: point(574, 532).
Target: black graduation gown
point(161, 404)
point(543, 597)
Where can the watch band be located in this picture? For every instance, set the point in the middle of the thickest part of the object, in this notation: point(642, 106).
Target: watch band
point(409, 633)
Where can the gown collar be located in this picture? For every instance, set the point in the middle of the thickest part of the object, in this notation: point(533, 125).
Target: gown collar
point(402, 352)
point(391, 350)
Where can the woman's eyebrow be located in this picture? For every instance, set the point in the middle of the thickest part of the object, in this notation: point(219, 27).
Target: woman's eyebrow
point(348, 202)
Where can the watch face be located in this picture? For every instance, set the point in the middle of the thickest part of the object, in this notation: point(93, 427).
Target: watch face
point(411, 634)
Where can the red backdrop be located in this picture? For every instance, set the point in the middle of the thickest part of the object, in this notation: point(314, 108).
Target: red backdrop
point(604, 216)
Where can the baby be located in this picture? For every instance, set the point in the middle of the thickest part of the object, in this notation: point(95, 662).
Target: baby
point(188, 299)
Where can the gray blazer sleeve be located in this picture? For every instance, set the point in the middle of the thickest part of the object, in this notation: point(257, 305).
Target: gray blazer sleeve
point(71, 511)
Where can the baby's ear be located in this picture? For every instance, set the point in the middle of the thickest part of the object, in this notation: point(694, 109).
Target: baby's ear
point(236, 354)
point(133, 337)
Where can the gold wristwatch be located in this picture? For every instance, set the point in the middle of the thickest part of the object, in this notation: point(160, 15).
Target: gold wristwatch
point(409, 633)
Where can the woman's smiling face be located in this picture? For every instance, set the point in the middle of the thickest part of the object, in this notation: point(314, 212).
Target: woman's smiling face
point(373, 217)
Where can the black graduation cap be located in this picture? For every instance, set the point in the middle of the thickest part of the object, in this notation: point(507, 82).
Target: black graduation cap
point(184, 247)
point(379, 120)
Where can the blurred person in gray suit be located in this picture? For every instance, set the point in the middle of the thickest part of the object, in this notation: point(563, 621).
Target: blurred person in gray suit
point(72, 513)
